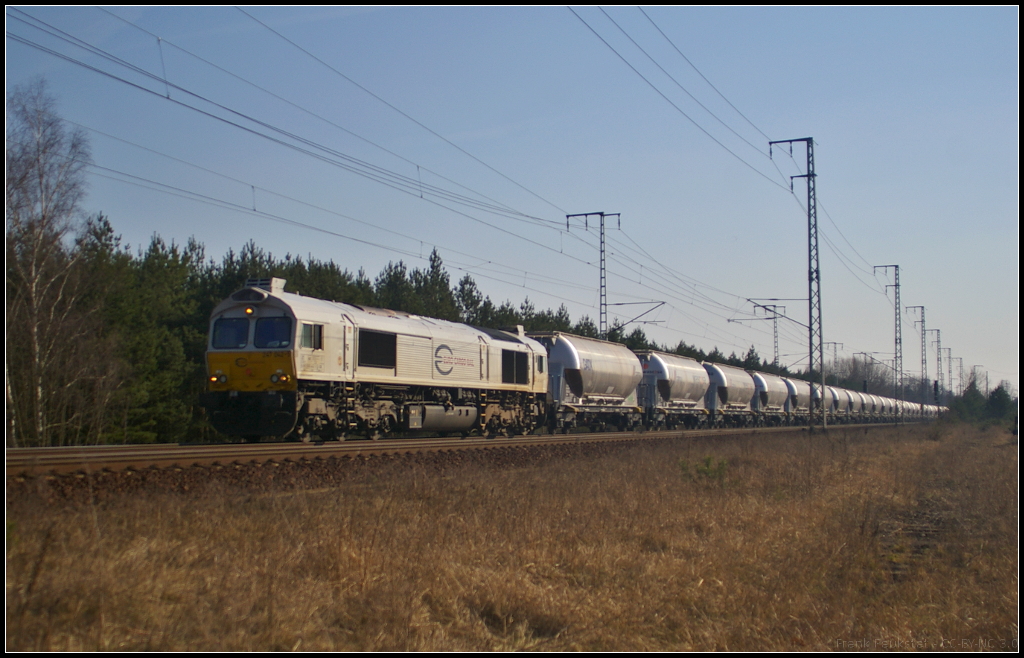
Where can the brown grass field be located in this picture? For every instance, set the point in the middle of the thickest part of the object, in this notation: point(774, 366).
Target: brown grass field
point(892, 539)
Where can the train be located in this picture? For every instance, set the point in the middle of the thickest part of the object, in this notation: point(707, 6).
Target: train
point(283, 365)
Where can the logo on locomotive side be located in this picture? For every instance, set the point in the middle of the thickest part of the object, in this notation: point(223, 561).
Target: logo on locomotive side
point(443, 360)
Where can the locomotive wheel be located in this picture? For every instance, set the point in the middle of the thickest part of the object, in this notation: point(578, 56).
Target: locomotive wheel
point(383, 428)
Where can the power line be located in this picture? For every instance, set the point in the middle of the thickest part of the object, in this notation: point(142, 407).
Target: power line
point(832, 221)
point(307, 204)
point(678, 84)
point(392, 179)
point(407, 116)
point(281, 142)
point(669, 101)
point(694, 290)
point(320, 117)
point(687, 59)
point(228, 205)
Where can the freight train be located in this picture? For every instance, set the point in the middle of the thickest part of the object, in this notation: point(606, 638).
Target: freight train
point(288, 366)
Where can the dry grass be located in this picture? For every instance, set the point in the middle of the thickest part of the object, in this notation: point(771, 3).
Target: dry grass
point(877, 540)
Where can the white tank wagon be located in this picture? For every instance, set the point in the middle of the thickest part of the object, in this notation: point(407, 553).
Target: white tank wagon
point(886, 408)
point(894, 409)
point(856, 406)
point(327, 370)
point(770, 396)
point(870, 406)
point(883, 410)
point(729, 395)
point(672, 390)
point(840, 404)
point(830, 400)
point(591, 382)
point(856, 402)
point(798, 404)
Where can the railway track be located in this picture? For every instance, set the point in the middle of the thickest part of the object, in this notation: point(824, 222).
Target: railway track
point(86, 459)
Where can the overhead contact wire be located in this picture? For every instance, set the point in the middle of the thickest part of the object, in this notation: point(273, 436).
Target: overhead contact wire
point(323, 119)
point(677, 108)
point(407, 116)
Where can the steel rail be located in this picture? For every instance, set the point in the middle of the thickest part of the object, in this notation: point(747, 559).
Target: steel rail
point(76, 459)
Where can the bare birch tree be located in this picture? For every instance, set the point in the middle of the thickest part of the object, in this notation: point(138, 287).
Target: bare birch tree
point(45, 185)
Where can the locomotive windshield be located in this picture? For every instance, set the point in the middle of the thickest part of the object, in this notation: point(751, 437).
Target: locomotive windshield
point(273, 332)
point(230, 333)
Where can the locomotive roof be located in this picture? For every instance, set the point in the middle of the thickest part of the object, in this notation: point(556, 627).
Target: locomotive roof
point(313, 308)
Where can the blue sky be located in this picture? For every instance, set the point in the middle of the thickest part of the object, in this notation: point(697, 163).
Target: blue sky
point(914, 113)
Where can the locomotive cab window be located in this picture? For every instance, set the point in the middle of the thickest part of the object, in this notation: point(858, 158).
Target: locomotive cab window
point(377, 349)
point(515, 367)
point(230, 333)
point(312, 336)
point(273, 333)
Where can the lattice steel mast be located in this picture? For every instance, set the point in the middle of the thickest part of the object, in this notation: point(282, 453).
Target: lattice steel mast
point(938, 364)
point(949, 371)
point(815, 344)
point(603, 309)
point(924, 358)
point(898, 362)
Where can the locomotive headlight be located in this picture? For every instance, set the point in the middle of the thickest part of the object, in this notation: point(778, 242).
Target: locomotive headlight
point(249, 310)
